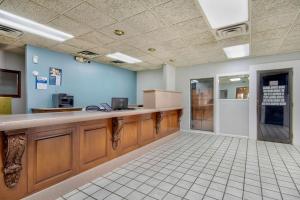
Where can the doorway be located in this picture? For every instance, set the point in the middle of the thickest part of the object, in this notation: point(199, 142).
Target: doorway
point(275, 106)
point(202, 104)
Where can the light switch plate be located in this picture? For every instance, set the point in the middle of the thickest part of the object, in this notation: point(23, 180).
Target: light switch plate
point(35, 59)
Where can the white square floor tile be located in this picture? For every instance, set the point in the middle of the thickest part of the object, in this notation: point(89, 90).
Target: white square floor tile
point(198, 166)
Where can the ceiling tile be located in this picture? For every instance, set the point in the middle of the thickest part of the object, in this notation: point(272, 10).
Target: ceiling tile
point(176, 11)
point(174, 44)
point(270, 34)
point(163, 34)
point(269, 23)
point(294, 33)
point(290, 45)
point(266, 47)
point(97, 38)
point(66, 48)
point(79, 43)
point(109, 31)
point(35, 40)
point(4, 40)
point(271, 8)
point(192, 26)
point(143, 22)
point(151, 60)
point(28, 9)
point(121, 9)
point(87, 14)
point(68, 25)
point(100, 51)
point(58, 5)
point(199, 38)
point(153, 3)
point(142, 42)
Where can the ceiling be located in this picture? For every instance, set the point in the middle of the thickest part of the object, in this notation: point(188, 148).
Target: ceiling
point(177, 29)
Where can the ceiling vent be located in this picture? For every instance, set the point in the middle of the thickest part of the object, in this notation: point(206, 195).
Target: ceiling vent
point(10, 32)
point(232, 31)
point(87, 54)
point(117, 62)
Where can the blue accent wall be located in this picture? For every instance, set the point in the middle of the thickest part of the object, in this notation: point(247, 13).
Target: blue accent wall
point(90, 84)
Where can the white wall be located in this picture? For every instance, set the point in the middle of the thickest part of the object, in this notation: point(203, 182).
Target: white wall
point(15, 61)
point(183, 76)
point(169, 77)
point(234, 117)
point(151, 79)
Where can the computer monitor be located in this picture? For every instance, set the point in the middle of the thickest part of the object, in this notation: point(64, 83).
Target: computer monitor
point(119, 103)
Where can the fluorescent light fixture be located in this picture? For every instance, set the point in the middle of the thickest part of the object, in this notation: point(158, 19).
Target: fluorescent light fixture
point(26, 25)
point(237, 51)
point(123, 57)
point(235, 79)
point(222, 13)
point(194, 81)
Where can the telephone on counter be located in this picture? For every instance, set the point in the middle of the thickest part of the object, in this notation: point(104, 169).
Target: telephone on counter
point(104, 107)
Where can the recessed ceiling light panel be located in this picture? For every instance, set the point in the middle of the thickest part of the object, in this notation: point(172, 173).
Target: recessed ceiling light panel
point(123, 57)
point(222, 13)
point(237, 51)
point(26, 25)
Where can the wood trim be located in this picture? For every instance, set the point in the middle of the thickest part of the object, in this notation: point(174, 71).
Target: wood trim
point(14, 147)
point(159, 118)
point(117, 126)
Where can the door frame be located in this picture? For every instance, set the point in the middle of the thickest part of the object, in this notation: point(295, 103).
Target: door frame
point(258, 110)
point(253, 96)
point(214, 108)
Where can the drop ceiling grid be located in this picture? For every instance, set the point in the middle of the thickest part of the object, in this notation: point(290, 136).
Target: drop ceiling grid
point(177, 29)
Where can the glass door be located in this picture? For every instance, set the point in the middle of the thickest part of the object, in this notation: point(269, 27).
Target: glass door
point(202, 104)
point(274, 106)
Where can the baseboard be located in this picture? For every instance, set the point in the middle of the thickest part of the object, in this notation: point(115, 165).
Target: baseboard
point(213, 133)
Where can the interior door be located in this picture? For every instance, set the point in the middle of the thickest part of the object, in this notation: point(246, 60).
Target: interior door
point(275, 106)
point(202, 104)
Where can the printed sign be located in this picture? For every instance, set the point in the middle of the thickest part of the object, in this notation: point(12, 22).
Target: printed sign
point(274, 95)
point(55, 76)
point(41, 83)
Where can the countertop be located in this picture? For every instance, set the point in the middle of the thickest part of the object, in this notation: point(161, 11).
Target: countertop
point(22, 121)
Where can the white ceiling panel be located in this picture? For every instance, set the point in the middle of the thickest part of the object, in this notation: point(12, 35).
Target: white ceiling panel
point(177, 29)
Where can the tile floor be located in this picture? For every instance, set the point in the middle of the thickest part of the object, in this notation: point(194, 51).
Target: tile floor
point(201, 166)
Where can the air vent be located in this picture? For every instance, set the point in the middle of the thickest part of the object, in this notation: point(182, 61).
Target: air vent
point(87, 54)
point(117, 62)
point(10, 32)
point(232, 31)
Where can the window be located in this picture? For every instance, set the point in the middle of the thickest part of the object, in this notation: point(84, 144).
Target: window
point(234, 87)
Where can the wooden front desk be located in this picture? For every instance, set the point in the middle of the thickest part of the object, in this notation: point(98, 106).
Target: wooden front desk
point(35, 158)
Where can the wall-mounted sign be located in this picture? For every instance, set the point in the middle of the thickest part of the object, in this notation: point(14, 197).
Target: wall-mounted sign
point(55, 76)
point(274, 94)
point(41, 83)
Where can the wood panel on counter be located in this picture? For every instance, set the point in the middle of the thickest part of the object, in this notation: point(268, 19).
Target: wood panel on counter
point(54, 153)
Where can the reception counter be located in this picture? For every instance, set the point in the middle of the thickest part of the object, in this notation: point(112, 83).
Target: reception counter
point(39, 150)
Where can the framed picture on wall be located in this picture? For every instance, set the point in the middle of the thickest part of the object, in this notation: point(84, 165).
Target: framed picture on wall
point(55, 76)
point(10, 83)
